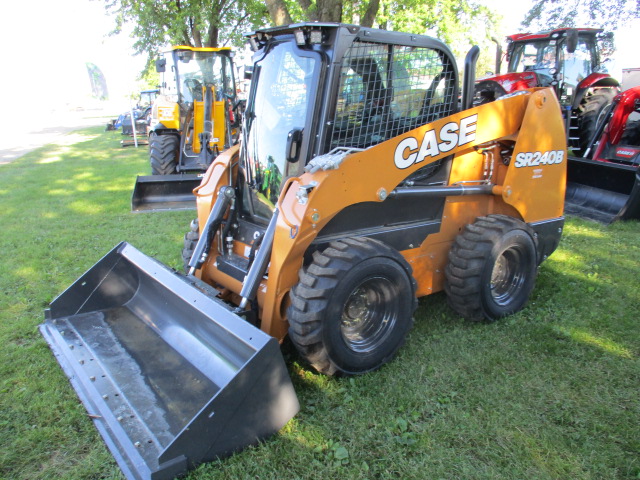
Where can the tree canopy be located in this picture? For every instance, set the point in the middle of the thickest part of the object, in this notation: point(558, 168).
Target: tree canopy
point(452, 21)
point(196, 23)
point(606, 14)
point(207, 23)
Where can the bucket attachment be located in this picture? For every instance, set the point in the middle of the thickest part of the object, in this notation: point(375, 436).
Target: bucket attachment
point(169, 374)
point(602, 191)
point(154, 193)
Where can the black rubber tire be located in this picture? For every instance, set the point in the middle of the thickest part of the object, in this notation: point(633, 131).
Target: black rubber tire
point(163, 153)
point(190, 240)
point(492, 268)
point(590, 111)
point(357, 279)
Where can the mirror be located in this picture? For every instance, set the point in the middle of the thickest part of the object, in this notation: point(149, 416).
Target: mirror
point(572, 40)
point(161, 65)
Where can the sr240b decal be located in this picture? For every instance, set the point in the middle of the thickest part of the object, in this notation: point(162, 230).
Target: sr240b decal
point(535, 159)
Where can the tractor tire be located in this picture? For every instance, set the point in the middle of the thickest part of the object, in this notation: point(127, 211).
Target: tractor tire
point(190, 240)
point(163, 153)
point(492, 268)
point(592, 110)
point(353, 306)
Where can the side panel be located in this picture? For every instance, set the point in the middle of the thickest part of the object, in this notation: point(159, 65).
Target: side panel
point(528, 122)
point(370, 175)
point(536, 179)
point(166, 112)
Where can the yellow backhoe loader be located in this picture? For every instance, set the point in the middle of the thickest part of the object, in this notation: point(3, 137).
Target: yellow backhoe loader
point(361, 183)
point(194, 118)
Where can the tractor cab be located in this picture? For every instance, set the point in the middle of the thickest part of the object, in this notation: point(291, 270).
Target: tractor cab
point(567, 59)
point(196, 85)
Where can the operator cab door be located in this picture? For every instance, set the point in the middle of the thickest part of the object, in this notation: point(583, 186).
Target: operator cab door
point(278, 124)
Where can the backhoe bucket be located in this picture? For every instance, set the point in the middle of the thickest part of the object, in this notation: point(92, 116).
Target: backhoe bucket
point(169, 374)
point(602, 191)
point(154, 193)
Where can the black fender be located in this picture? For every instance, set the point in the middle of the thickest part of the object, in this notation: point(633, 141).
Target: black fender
point(583, 88)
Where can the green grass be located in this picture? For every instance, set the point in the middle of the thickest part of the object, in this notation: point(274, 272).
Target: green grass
point(549, 393)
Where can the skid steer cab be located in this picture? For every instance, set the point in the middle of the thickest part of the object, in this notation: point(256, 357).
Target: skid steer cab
point(194, 118)
point(360, 185)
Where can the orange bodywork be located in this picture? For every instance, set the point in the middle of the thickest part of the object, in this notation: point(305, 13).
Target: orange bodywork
point(529, 186)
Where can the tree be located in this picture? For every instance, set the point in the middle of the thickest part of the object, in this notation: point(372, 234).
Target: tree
point(212, 23)
point(606, 14)
point(459, 23)
point(196, 23)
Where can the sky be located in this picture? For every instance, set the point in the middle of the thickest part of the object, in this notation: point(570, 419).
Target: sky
point(47, 44)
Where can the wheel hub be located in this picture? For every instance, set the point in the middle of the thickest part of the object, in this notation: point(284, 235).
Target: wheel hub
point(356, 308)
point(507, 275)
point(366, 316)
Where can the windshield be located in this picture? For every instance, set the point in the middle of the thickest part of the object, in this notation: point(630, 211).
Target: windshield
point(541, 57)
point(538, 57)
point(282, 91)
point(196, 69)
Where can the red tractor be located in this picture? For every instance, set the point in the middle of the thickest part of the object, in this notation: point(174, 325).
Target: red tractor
point(567, 59)
point(604, 183)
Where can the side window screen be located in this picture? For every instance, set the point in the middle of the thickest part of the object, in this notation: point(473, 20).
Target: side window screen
point(386, 90)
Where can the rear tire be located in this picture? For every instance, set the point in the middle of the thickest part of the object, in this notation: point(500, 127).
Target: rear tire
point(353, 306)
point(592, 109)
point(492, 268)
point(190, 240)
point(163, 153)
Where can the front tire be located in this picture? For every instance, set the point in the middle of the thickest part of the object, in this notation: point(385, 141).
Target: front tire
point(492, 268)
point(163, 153)
point(591, 112)
point(190, 241)
point(353, 307)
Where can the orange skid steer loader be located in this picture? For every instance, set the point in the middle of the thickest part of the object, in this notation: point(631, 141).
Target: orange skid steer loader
point(360, 184)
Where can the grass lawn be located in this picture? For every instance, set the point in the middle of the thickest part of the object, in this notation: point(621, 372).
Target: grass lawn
point(550, 393)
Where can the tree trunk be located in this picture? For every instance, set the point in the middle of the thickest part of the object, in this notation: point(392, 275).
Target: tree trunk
point(278, 12)
point(370, 14)
point(329, 10)
point(212, 35)
point(195, 33)
point(309, 11)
